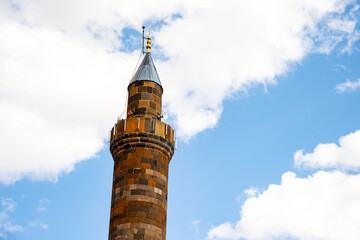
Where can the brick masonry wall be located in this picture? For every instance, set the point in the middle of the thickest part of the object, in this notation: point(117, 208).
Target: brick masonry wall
point(142, 147)
point(144, 99)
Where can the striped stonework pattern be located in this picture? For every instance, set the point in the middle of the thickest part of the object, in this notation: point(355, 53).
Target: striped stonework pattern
point(142, 146)
point(144, 99)
point(139, 200)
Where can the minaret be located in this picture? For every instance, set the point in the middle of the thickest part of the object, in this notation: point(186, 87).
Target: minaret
point(142, 146)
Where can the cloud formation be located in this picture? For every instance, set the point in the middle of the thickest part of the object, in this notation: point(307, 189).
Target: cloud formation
point(63, 79)
point(39, 224)
point(324, 206)
point(43, 204)
point(345, 156)
point(348, 86)
point(6, 225)
point(251, 45)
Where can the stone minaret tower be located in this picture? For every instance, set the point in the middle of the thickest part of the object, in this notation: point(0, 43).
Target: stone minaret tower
point(142, 146)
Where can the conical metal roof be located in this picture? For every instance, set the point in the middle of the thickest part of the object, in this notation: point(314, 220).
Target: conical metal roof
point(146, 71)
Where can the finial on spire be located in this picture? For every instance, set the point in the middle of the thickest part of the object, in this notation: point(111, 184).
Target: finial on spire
point(148, 46)
point(143, 37)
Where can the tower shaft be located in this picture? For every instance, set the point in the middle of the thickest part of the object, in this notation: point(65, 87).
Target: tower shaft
point(142, 147)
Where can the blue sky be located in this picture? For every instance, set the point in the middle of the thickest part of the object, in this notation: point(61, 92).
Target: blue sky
point(245, 89)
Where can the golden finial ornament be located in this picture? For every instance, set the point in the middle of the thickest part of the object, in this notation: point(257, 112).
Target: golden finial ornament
point(148, 46)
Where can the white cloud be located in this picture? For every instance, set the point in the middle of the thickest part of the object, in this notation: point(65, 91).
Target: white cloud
point(63, 80)
point(56, 107)
point(348, 86)
point(43, 204)
point(252, 192)
point(325, 206)
point(8, 204)
point(38, 223)
point(250, 45)
point(345, 26)
point(344, 156)
point(6, 224)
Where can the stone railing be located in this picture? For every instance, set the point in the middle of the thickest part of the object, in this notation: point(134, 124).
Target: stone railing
point(142, 125)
